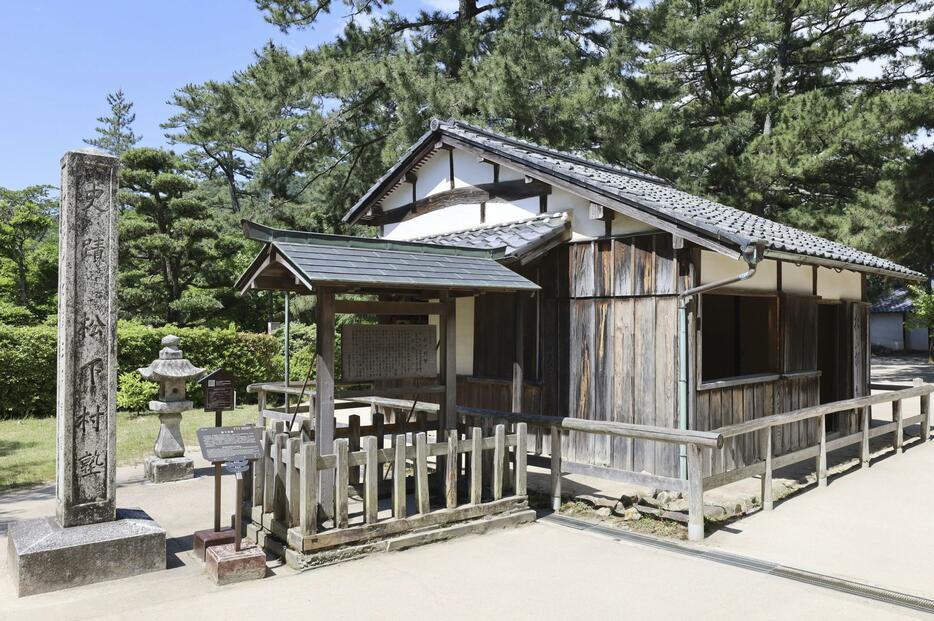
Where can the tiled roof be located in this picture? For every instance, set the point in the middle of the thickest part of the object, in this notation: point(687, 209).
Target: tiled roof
point(645, 192)
point(898, 301)
point(516, 238)
point(336, 260)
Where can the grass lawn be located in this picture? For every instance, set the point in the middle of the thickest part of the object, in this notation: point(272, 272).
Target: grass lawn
point(27, 446)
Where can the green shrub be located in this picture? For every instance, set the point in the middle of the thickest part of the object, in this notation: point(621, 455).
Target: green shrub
point(135, 393)
point(28, 357)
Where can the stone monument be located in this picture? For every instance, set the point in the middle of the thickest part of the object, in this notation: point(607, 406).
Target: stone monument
point(171, 370)
point(89, 540)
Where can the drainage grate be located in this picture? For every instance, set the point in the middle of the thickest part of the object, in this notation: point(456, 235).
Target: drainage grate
point(821, 580)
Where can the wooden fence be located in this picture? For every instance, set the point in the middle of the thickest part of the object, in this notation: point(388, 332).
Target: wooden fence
point(711, 442)
point(287, 499)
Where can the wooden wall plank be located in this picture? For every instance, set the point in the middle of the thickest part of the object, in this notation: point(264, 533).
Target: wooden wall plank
point(603, 402)
point(603, 268)
point(623, 269)
point(666, 372)
point(644, 264)
point(644, 380)
point(623, 363)
point(582, 270)
point(666, 268)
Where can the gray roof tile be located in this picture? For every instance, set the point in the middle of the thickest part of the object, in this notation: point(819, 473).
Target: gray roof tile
point(898, 301)
point(515, 238)
point(642, 190)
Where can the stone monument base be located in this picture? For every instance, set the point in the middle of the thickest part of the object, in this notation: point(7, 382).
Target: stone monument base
point(226, 565)
point(42, 556)
point(204, 539)
point(164, 470)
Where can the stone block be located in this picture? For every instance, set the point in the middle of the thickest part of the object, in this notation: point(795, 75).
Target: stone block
point(204, 539)
point(43, 556)
point(165, 470)
point(226, 566)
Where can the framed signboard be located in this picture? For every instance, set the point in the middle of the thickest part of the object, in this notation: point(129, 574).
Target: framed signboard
point(375, 352)
point(219, 391)
point(230, 443)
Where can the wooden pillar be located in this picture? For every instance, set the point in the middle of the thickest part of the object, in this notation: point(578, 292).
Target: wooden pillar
point(324, 392)
point(517, 374)
point(447, 418)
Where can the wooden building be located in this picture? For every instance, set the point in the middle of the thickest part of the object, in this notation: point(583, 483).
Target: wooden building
point(656, 307)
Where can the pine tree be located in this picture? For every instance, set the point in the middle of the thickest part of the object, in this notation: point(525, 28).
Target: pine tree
point(115, 134)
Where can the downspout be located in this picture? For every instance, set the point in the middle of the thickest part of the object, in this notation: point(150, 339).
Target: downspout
point(752, 253)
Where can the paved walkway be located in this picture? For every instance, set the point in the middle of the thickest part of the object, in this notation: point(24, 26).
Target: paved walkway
point(540, 572)
point(871, 526)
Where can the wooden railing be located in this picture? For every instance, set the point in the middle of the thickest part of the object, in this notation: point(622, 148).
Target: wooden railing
point(694, 441)
point(288, 501)
point(763, 428)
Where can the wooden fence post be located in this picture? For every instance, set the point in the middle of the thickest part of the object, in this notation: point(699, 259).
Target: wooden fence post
point(499, 449)
point(864, 444)
point(822, 453)
point(269, 482)
point(766, 441)
point(898, 438)
point(340, 482)
point(476, 465)
point(398, 478)
point(555, 468)
point(925, 412)
point(280, 509)
point(421, 472)
point(371, 484)
point(695, 494)
point(309, 507)
point(379, 429)
point(293, 475)
point(521, 458)
point(353, 424)
point(450, 487)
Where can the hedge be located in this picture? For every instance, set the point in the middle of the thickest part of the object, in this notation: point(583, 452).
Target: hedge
point(28, 357)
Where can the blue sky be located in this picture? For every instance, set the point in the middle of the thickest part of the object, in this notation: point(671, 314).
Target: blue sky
point(60, 58)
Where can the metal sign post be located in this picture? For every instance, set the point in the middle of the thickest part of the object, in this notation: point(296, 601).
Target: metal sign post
point(238, 468)
point(233, 448)
point(219, 395)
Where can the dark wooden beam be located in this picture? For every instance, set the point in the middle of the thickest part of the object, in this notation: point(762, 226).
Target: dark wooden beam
point(368, 307)
point(508, 190)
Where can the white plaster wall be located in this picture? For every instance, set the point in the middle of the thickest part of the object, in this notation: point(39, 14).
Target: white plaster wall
point(918, 339)
point(463, 334)
point(624, 225)
point(445, 220)
point(797, 278)
point(468, 171)
point(715, 266)
point(433, 177)
point(885, 330)
point(833, 285)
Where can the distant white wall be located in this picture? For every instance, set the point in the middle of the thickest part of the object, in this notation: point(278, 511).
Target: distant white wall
point(886, 330)
point(918, 339)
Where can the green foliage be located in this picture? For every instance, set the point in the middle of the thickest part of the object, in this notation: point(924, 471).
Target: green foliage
point(115, 134)
point(28, 358)
point(167, 242)
point(134, 392)
point(922, 314)
point(28, 255)
point(27, 370)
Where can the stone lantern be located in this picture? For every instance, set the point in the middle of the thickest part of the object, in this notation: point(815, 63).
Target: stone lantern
point(171, 370)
